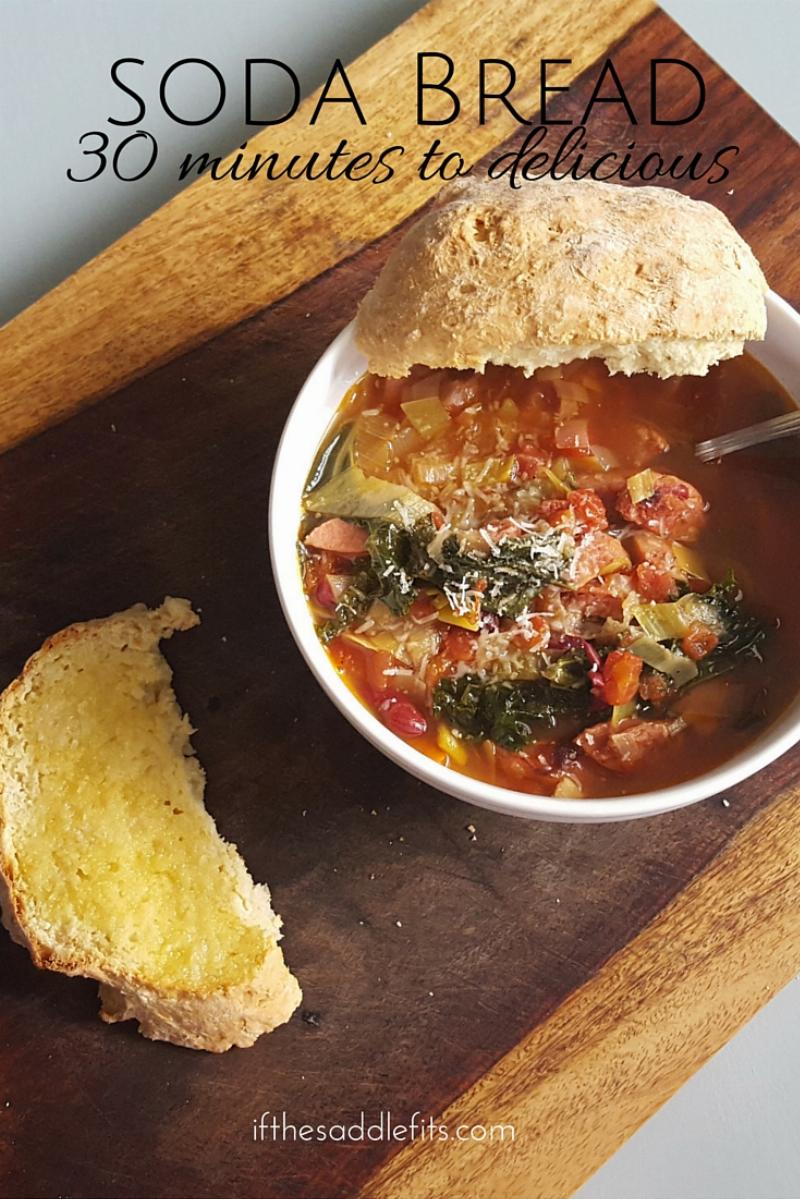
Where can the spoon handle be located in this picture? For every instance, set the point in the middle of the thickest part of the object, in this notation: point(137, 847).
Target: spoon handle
point(769, 430)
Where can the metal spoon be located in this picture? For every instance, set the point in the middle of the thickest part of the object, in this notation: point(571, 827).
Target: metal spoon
point(741, 439)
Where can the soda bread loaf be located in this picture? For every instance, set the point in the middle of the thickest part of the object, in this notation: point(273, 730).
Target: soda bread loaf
point(644, 278)
point(110, 865)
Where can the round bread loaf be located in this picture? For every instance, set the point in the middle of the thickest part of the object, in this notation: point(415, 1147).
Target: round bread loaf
point(642, 277)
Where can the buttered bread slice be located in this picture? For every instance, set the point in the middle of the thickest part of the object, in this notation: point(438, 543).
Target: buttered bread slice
point(110, 865)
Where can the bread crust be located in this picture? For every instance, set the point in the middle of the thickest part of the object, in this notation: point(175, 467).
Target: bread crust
point(644, 278)
point(214, 1021)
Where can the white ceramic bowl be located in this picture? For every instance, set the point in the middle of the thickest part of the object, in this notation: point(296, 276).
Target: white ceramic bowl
point(337, 369)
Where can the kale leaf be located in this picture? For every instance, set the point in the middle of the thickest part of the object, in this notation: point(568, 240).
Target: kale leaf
point(740, 635)
point(399, 561)
point(508, 713)
point(510, 576)
point(515, 571)
point(353, 604)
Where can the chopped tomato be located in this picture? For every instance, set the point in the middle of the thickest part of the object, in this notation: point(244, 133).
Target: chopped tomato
point(654, 584)
point(654, 687)
point(501, 530)
point(675, 509)
point(376, 663)
point(529, 465)
point(338, 536)
point(554, 511)
point(583, 505)
point(699, 641)
point(535, 637)
point(652, 549)
point(589, 509)
point(594, 600)
point(598, 554)
point(459, 645)
point(624, 746)
point(657, 569)
point(621, 671)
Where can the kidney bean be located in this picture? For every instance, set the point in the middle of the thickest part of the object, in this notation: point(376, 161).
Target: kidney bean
point(402, 717)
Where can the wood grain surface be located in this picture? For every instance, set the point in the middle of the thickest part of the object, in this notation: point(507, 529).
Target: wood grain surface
point(562, 978)
point(222, 250)
point(588, 1076)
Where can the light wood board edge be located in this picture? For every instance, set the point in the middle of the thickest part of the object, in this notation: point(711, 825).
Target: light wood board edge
point(607, 1059)
point(220, 251)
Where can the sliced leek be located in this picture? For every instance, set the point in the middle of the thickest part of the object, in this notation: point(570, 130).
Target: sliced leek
point(662, 622)
point(380, 640)
point(558, 485)
point(679, 668)
point(333, 458)
point(622, 712)
point(489, 472)
point(354, 494)
point(471, 619)
point(562, 469)
point(690, 562)
point(373, 442)
point(642, 485)
point(567, 788)
point(450, 744)
point(428, 415)
point(427, 470)
point(670, 622)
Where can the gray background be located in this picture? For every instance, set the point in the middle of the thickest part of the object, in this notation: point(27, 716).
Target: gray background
point(732, 1131)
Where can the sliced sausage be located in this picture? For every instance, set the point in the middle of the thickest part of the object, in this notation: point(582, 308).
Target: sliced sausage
point(676, 509)
point(338, 536)
point(623, 746)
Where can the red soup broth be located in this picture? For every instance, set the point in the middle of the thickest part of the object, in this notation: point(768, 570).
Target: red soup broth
point(588, 432)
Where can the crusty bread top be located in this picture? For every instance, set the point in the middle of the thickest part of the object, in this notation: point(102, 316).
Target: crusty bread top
point(644, 278)
point(110, 865)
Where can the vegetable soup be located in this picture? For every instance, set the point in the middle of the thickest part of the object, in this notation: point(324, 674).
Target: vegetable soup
point(535, 582)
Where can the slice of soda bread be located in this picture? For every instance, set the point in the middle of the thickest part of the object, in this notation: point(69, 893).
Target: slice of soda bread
point(110, 865)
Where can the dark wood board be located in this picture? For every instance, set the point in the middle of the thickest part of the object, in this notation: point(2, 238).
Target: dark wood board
point(162, 488)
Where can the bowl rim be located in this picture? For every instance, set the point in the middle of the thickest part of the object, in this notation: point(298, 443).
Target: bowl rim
point(282, 521)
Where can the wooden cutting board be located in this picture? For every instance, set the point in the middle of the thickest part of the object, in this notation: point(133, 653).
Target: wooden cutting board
point(565, 980)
